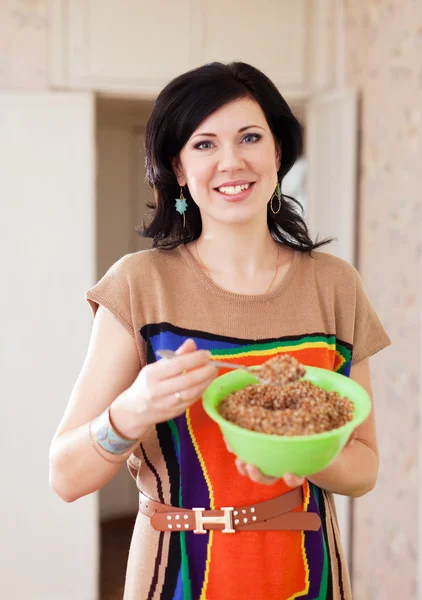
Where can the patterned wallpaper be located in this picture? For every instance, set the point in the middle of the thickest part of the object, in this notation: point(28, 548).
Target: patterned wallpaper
point(23, 44)
point(384, 51)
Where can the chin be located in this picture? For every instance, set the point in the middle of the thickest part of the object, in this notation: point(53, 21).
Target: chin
point(241, 217)
point(236, 220)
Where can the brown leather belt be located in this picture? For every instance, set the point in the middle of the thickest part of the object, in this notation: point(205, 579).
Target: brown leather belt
point(270, 515)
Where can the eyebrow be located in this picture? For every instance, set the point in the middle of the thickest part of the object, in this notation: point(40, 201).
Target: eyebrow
point(240, 131)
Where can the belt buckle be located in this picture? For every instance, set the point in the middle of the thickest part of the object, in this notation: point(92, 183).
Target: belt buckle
point(226, 520)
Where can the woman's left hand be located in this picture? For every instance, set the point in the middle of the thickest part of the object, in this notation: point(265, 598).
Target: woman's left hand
point(251, 471)
point(257, 476)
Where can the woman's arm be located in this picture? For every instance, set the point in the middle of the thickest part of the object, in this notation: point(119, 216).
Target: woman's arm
point(111, 366)
point(138, 399)
point(354, 471)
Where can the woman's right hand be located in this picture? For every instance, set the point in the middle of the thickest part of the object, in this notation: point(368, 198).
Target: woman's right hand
point(163, 390)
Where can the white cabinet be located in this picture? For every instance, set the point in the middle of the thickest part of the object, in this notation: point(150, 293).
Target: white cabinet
point(134, 46)
point(269, 35)
point(137, 46)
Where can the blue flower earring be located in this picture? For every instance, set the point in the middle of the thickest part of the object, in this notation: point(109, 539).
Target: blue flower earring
point(181, 206)
point(277, 194)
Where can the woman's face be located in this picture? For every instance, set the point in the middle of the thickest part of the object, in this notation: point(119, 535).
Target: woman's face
point(230, 163)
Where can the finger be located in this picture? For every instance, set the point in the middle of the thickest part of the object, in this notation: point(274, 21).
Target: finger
point(293, 480)
point(229, 448)
point(170, 367)
point(188, 345)
point(241, 467)
point(187, 397)
point(258, 477)
point(184, 383)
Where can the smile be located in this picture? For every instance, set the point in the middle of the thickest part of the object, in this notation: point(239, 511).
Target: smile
point(236, 192)
point(232, 190)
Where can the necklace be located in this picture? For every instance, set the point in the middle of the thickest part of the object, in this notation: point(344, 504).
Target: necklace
point(276, 270)
point(199, 259)
point(272, 280)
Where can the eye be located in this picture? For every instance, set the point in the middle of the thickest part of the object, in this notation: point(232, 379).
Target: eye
point(206, 145)
point(251, 138)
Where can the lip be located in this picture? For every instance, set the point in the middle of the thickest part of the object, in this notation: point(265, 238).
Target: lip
point(237, 197)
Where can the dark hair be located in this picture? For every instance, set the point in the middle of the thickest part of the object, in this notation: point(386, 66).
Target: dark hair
point(177, 112)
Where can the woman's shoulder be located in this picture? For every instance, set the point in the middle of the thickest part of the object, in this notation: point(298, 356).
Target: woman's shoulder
point(131, 274)
point(330, 266)
point(144, 261)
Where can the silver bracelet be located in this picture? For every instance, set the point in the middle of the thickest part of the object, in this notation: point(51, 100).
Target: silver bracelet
point(107, 437)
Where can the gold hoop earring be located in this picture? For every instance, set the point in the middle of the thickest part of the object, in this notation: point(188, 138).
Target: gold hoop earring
point(277, 194)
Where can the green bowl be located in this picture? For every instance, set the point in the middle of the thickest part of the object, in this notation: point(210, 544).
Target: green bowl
point(275, 455)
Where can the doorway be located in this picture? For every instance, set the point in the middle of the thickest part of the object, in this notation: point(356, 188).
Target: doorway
point(121, 199)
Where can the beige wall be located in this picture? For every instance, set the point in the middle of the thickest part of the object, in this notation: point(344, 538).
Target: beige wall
point(23, 44)
point(49, 549)
point(384, 60)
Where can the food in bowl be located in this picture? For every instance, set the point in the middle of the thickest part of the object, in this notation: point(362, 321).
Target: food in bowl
point(281, 369)
point(276, 455)
point(297, 408)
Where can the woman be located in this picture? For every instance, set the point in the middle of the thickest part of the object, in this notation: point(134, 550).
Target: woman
point(233, 275)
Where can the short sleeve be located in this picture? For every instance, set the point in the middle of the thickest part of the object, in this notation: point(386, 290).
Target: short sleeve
point(369, 336)
point(113, 291)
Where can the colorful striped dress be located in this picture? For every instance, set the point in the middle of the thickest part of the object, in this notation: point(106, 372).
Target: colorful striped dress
point(320, 314)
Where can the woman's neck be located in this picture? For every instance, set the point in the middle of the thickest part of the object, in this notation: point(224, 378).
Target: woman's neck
point(242, 260)
point(244, 255)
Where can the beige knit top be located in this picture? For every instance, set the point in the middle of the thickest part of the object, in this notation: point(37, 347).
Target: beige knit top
point(320, 314)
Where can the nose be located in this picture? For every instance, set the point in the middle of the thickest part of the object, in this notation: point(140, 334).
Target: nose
point(230, 159)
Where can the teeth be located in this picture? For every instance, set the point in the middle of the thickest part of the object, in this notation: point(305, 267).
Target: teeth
point(234, 189)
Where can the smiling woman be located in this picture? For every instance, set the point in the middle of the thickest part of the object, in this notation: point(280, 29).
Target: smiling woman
point(234, 277)
point(232, 120)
